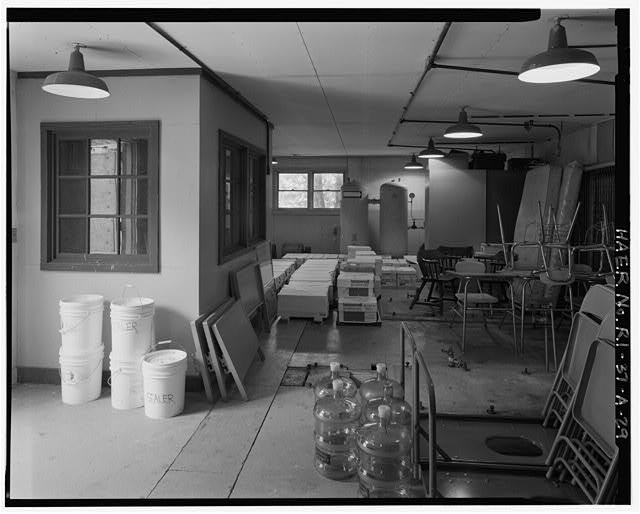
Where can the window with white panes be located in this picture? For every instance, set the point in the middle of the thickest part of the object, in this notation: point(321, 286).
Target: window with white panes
point(308, 190)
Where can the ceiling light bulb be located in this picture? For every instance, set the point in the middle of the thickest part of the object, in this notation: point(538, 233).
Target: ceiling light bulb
point(559, 63)
point(463, 129)
point(431, 152)
point(75, 82)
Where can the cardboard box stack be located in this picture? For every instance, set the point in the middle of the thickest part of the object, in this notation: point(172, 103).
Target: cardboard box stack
point(359, 284)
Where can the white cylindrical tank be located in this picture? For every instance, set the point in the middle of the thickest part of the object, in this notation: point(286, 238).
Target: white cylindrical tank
point(354, 212)
point(394, 219)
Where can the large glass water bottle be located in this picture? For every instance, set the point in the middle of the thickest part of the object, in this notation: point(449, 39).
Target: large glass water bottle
point(324, 386)
point(400, 410)
point(374, 387)
point(384, 458)
point(336, 421)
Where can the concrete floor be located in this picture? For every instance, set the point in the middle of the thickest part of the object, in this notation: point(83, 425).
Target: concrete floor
point(260, 449)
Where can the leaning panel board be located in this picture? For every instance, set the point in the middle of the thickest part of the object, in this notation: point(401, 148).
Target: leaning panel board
point(247, 287)
point(215, 352)
point(203, 356)
point(238, 343)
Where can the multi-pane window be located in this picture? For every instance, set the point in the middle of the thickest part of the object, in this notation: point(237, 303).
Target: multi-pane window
point(100, 208)
point(309, 190)
point(242, 196)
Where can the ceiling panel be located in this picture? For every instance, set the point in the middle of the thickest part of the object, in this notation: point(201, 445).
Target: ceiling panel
point(369, 48)
point(112, 46)
point(368, 99)
point(253, 49)
point(290, 100)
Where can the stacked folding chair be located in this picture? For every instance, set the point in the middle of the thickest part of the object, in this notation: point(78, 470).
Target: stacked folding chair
point(598, 301)
point(585, 449)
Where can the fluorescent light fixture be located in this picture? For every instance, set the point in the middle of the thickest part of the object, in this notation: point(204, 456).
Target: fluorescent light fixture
point(431, 152)
point(463, 129)
point(559, 63)
point(413, 164)
point(274, 161)
point(75, 82)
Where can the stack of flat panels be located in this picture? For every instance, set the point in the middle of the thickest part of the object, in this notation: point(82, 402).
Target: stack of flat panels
point(282, 271)
point(352, 249)
point(309, 291)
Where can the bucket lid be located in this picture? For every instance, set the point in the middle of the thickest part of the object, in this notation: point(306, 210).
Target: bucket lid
point(98, 352)
point(82, 301)
point(132, 302)
point(125, 360)
point(164, 358)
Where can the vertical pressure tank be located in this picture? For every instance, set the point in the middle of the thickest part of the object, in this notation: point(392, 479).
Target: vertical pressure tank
point(394, 219)
point(354, 213)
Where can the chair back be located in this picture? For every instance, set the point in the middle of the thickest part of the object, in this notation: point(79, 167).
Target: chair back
point(425, 259)
point(607, 330)
point(598, 301)
point(594, 405)
point(584, 330)
point(470, 266)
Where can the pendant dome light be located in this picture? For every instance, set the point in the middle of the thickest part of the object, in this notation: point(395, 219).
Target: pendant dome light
point(75, 82)
point(274, 161)
point(431, 152)
point(413, 164)
point(559, 63)
point(463, 129)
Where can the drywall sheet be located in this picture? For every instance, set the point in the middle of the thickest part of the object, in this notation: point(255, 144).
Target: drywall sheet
point(238, 343)
point(247, 287)
point(541, 186)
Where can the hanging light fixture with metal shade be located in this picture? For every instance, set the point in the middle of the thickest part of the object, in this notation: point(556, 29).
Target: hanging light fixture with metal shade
point(559, 63)
point(463, 129)
point(413, 164)
point(431, 152)
point(76, 82)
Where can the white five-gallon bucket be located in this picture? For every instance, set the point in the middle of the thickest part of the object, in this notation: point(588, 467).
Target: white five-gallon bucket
point(81, 376)
point(164, 373)
point(127, 388)
point(132, 330)
point(81, 323)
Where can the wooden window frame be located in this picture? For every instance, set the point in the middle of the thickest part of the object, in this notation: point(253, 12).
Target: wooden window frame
point(310, 191)
point(246, 151)
point(50, 257)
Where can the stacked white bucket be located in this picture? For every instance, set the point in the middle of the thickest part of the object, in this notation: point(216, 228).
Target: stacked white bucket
point(82, 350)
point(132, 335)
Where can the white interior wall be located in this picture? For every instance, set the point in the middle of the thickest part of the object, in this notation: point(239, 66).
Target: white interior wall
point(219, 112)
point(174, 100)
point(590, 145)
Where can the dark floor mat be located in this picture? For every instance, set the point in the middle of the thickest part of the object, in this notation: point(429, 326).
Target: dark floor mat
point(509, 445)
point(295, 377)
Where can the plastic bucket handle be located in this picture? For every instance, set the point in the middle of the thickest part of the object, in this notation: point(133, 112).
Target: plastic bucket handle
point(191, 358)
point(74, 382)
point(131, 286)
point(67, 330)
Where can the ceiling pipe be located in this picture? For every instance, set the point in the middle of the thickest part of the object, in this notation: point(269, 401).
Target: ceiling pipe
point(510, 116)
point(428, 67)
point(512, 73)
point(212, 75)
point(528, 125)
point(471, 144)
